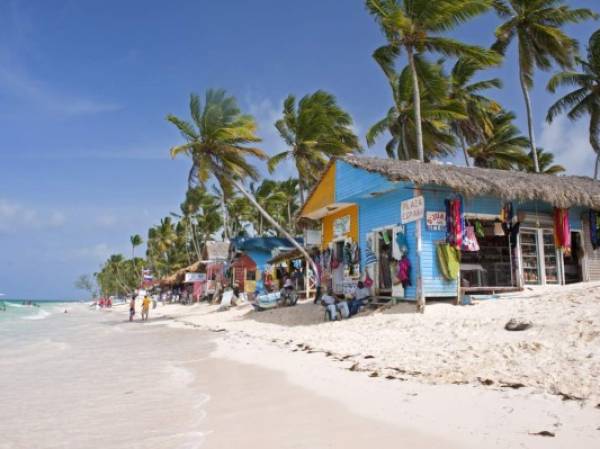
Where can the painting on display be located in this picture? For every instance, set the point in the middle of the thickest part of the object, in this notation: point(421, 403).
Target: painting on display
point(341, 226)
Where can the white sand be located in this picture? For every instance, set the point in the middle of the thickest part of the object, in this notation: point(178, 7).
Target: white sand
point(429, 356)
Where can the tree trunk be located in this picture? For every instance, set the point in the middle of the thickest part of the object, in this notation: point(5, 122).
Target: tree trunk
point(194, 239)
point(225, 220)
point(594, 141)
point(464, 148)
point(301, 188)
point(417, 103)
point(534, 154)
point(404, 147)
point(289, 213)
point(277, 226)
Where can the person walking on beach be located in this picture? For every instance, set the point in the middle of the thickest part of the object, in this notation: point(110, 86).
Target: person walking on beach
point(145, 308)
point(132, 308)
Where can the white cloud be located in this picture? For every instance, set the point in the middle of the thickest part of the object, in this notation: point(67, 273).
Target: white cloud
point(106, 220)
point(15, 216)
point(569, 141)
point(57, 219)
point(93, 254)
point(17, 83)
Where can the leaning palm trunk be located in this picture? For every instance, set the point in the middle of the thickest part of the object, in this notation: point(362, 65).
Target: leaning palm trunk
point(536, 164)
point(464, 148)
point(597, 166)
point(279, 228)
point(417, 104)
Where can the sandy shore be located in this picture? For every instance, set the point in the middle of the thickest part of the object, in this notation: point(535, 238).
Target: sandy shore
point(453, 373)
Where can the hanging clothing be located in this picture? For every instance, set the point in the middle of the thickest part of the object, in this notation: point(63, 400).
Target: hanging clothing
point(385, 274)
point(595, 228)
point(355, 253)
point(455, 221)
point(386, 237)
point(403, 273)
point(562, 229)
point(449, 261)
point(347, 254)
point(470, 242)
point(507, 213)
point(479, 230)
point(400, 244)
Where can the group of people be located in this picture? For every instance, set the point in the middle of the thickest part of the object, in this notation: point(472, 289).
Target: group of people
point(341, 308)
point(146, 302)
point(105, 302)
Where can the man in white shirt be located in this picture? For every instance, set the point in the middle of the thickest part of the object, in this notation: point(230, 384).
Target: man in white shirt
point(361, 294)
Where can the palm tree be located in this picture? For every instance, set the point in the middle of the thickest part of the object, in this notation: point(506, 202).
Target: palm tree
point(314, 130)
point(414, 26)
point(476, 106)
point(585, 99)
point(537, 25)
point(218, 147)
point(289, 193)
point(136, 240)
point(269, 197)
point(546, 161)
point(503, 147)
point(437, 111)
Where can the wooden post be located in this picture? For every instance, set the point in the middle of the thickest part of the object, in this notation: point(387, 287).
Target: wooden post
point(420, 287)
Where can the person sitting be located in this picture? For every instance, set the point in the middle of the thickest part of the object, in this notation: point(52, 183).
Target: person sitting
point(361, 294)
point(328, 300)
point(288, 284)
point(342, 306)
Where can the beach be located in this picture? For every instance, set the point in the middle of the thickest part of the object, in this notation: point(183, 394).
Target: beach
point(197, 377)
point(90, 379)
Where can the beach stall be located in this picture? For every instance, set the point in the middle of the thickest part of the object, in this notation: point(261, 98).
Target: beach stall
point(438, 230)
point(216, 256)
point(243, 273)
point(293, 264)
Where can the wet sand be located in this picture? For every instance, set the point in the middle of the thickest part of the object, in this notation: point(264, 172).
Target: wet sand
point(89, 379)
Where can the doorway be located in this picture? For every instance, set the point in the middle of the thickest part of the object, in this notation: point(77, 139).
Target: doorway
point(573, 262)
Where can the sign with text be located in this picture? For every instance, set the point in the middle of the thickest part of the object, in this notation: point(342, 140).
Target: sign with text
point(436, 221)
point(194, 277)
point(412, 210)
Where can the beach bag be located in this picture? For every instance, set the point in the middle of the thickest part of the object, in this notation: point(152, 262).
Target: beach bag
point(368, 281)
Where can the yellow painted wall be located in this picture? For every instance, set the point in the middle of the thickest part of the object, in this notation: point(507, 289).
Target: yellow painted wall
point(329, 219)
point(324, 194)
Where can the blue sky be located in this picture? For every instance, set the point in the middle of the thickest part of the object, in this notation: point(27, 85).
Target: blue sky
point(85, 87)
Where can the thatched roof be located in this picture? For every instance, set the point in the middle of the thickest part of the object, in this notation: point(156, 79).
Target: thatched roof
point(559, 191)
point(179, 276)
point(216, 251)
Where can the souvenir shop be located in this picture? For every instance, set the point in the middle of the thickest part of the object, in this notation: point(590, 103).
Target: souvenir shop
point(510, 249)
point(477, 229)
point(338, 258)
point(479, 247)
point(388, 265)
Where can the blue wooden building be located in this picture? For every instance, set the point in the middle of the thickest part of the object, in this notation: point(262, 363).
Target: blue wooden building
point(359, 200)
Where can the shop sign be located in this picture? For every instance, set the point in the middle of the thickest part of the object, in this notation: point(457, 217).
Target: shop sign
point(436, 221)
point(194, 277)
point(312, 237)
point(412, 210)
point(341, 226)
